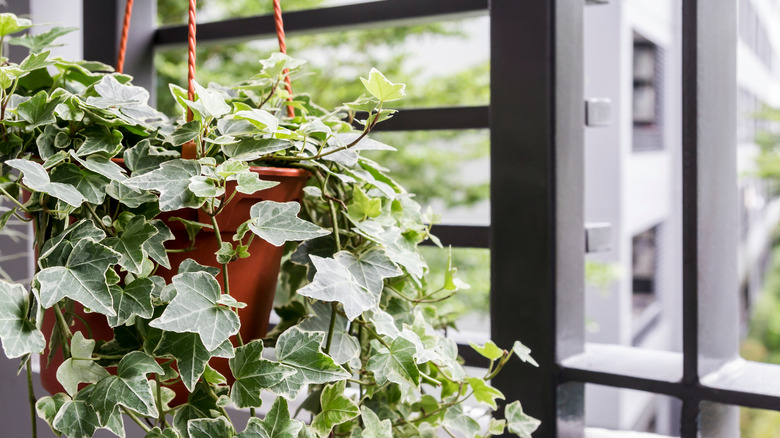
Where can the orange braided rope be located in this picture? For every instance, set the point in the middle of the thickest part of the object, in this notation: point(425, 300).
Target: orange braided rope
point(191, 59)
point(283, 48)
point(120, 62)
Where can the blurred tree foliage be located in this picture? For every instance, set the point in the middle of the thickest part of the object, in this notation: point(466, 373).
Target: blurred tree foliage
point(429, 164)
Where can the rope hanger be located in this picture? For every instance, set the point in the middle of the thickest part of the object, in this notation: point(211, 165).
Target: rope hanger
point(191, 40)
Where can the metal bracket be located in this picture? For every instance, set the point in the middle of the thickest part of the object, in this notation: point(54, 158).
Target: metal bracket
point(598, 112)
point(598, 237)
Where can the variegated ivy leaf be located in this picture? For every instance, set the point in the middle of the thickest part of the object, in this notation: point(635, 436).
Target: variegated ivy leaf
point(250, 148)
point(395, 364)
point(99, 139)
point(210, 428)
point(38, 110)
point(133, 300)
point(334, 282)
point(132, 198)
point(484, 393)
point(129, 388)
point(171, 180)
point(195, 309)
point(90, 184)
point(155, 246)
point(343, 346)
point(401, 250)
point(47, 407)
point(260, 118)
point(301, 351)
point(524, 353)
point(518, 422)
point(205, 187)
point(372, 427)
point(76, 419)
point(56, 250)
point(190, 354)
point(82, 279)
point(200, 404)
point(36, 178)
point(381, 88)
point(10, 23)
point(18, 334)
point(456, 419)
point(102, 165)
point(490, 350)
point(167, 433)
point(250, 182)
point(131, 242)
point(143, 157)
point(254, 374)
point(184, 133)
point(277, 223)
point(369, 268)
point(276, 424)
point(336, 409)
point(79, 368)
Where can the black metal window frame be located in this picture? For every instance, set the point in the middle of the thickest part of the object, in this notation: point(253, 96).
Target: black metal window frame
point(536, 122)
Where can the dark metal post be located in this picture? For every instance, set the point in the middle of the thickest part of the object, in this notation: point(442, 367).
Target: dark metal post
point(537, 258)
point(102, 30)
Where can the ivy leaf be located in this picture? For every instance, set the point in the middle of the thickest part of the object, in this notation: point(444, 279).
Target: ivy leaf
point(10, 23)
point(276, 424)
point(253, 374)
point(336, 409)
point(34, 61)
point(277, 223)
point(250, 182)
point(210, 428)
point(250, 148)
point(456, 419)
point(524, 353)
point(167, 433)
point(36, 178)
point(18, 334)
point(39, 42)
point(190, 354)
point(184, 133)
point(79, 368)
point(518, 422)
point(484, 393)
point(130, 197)
point(129, 388)
point(143, 158)
point(205, 187)
point(47, 407)
point(102, 165)
point(91, 185)
point(200, 404)
point(38, 111)
point(260, 118)
point(195, 310)
point(209, 103)
point(115, 94)
point(343, 346)
point(334, 282)
point(490, 350)
point(133, 300)
point(395, 364)
point(172, 182)
point(362, 206)
point(130, 243)
point(301, 350)
point(56, 250)
point(75, 418)
point(373, 427)
point(155, 246)
point(83, 278)
point(100, 139)
point(369, 268)
point(381, 88)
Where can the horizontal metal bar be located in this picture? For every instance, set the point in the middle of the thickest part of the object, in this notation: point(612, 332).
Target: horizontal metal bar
point(461, 236)
point(429, 119)
point(317, 20)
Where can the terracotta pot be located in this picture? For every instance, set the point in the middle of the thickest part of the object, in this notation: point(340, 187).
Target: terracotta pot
point(252, 280)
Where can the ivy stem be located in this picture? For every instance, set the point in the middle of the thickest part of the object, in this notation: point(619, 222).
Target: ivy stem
point(97, 219)
point(161, 419)
point(371, 331)
point(137, 420)
point(218, 234)
point(31, 393)
point(14, 200)
point(332, 327)
point(251, 412)
point(64, 329)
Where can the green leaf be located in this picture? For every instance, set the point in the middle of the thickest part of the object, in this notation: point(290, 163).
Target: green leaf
point(225, 253)
point(205, 187)
point(56, 250)
point(369, 268)
point(210, 428)
point(209, 103)
point(277, 223)
point(79, 368)
point(75, 418)
point(83, 278)
point(200, 404)
point(362, 206)
point(18, 334)
point(301, 350)
point(524, 353)
point(91, 185)
point(133, 300)
point(456, 419)
point(260, 118)
point(102, 165)
point(381, 88)
point(172, 182)
point(484, 393)
point(132, 198)
point(489, 350)
point(395, 364)
point(276, 424)
point(334, 282)
point(518, 422)
point(249, 183)
point(210, 375)
point(36, 178)
point(250, 148)
point(34, 61)
point(155, 246)
point(38, 110)
point(10, 23)
point(130, 243)
point(373, 428)
point(100, 139)
point(8, 74)
point(143, 158)
point(129, 388)
point(47, 407)
point(343, 346)
point(184, 133)
point(41, 41)
point(336, 409)
point(190, 354)
point(253, 374)
point(195, 310)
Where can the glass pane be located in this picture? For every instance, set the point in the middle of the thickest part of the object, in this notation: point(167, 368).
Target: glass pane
point(419, 55)
point(758, 423)
point(624, 410)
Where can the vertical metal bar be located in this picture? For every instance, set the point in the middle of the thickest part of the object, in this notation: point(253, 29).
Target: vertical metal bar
point(102, 29)
point(709, 175)
point(537, 258)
